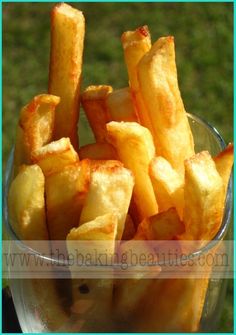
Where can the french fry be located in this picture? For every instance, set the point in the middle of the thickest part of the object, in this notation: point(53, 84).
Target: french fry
point(35, 127)
point(94, 104)
point(67, 42)
point(101, 151)
point(116, 189)
point(162, 226)
point(136, 44)
point(96, 304)
point(135, 148)
point(110, 192)
point(129, 230)
point(224, 162)
point(27, 216)
point(157, 76)
point(204, 191)
point(120, 106)
point(54, 156)
point(167, 184)
point(183, 299)
point(102, 228)
point(129, 293)
point(27, 211)
point(66, 192)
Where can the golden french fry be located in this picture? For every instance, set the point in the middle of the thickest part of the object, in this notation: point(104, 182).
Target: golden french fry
point(129, 293)
point(26, 204)
point(183, 299)
point(120, 106)
point(101, 151)
point(129, 230)
point(102, 228)
point(66, 192)
point(93, 100)
point(136, 44)
point(135, 148)
point(67, 42)
point(204, 191)
point(54, 156)
point(167, 184)
point(27, 215)
point(96, 303)
point(35, 127)
point(162, 226)
point(110, 192)
point(224, 162)
point(157, 77)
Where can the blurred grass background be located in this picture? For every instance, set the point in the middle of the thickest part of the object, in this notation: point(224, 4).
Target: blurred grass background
point(204, 50)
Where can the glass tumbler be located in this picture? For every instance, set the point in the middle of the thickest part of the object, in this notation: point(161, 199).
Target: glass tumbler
point(89, 305)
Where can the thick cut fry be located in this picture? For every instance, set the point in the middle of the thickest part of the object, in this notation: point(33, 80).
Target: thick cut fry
point(224, 162)
point(94, 104)
point(120, 106)
point(167, 184)
point(67, 41)
point(35, 127)
point(158, 82)
point(96, 303)
point(174, 305)
point(26, 204)
point(135, 148)
point(136, 44)
point(27, 217)
point(54, 156)
point(110, 192)
point(162, 226)
point(65, 195)
point(101, 151)
point(204, 197)
point(129, 293)
point(129, 230)
point(103, 228)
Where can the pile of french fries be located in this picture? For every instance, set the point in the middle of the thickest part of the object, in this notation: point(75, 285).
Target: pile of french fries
point(140, 180)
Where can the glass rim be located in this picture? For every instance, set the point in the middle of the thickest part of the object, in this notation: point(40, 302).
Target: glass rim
point(218, 237)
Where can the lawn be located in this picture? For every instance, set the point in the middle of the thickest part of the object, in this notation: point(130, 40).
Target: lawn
point(204, 50)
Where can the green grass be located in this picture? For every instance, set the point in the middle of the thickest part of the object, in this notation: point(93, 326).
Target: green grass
point(204, 50)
